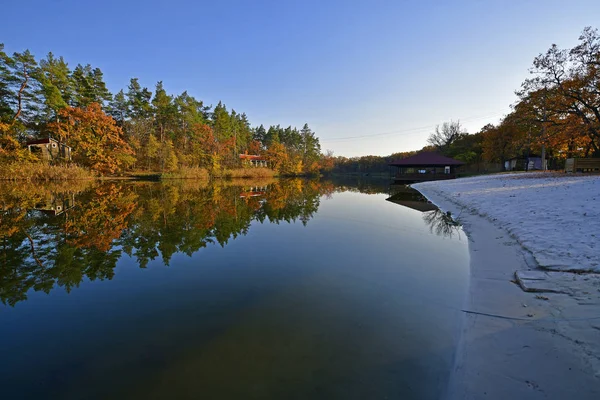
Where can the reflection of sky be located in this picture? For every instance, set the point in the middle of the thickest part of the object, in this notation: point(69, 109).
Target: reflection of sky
point(364, 290)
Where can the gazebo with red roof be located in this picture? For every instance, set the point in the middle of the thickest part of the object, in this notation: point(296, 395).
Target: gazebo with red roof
point(426, 166)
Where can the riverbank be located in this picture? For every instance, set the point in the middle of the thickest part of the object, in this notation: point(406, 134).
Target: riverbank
point(36, 171)
point(517, 344)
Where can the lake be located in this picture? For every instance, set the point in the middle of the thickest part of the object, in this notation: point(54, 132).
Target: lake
point(275, 289)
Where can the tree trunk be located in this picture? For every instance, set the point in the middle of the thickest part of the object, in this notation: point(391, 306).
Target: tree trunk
point(20, 97)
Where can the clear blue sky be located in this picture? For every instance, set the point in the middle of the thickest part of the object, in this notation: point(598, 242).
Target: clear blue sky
point(348, 68)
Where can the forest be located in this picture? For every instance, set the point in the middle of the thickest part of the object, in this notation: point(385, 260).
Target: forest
point(135, 129)
point(557, 112)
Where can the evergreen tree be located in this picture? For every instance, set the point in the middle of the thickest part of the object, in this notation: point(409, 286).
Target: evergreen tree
point(118, 107)
point(82, 86)
point(221, 122)
point(24, 88)
point(164, 111)
point(100, 93)
point(56, 85)
point(138, 99)
point(260, 135)
point(311, 149)
point(6, 80)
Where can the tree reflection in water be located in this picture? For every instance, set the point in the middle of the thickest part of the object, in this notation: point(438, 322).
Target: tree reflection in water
point(441, 223)
point(58, 234)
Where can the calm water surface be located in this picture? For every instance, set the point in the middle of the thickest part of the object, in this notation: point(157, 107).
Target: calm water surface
point(258, 290)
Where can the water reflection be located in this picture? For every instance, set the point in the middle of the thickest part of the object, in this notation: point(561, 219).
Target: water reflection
point(361, 184)
point(356, 300)
point(57, 235)
point(441, 223)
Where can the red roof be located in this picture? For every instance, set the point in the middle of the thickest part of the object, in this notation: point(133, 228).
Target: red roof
point(44, 141)
point(41, 141)
point(252, 157)
point(426, 159)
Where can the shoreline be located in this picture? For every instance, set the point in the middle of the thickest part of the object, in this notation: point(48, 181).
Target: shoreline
point(517, 344)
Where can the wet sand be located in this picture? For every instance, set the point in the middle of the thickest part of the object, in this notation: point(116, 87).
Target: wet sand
point(517, 344)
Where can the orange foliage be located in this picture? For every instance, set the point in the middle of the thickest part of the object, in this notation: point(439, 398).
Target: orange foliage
point(96, 139)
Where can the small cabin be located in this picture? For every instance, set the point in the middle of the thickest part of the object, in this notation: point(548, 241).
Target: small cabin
point(49, 149)
point(252, 160)
point(426, 166)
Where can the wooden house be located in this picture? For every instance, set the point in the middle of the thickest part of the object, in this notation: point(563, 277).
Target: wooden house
point(426, 166)
point(49, 149)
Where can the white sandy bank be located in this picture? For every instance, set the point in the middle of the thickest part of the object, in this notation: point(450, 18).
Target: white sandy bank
point(555, 216)
point(515, 344)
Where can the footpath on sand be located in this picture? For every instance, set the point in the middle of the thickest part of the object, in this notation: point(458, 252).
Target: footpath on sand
point(531, 327)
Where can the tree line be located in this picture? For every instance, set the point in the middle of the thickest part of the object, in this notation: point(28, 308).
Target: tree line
point(557, 113)
point(135, 128)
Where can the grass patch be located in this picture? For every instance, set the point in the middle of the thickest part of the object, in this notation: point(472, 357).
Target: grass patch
point(31, 171)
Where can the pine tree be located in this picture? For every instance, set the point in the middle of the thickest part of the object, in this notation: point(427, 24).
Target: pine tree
point(260, 135)
point(25, 89)
point(89, 87)
point(100, 94)
point(221, 122)
point(82, 86)
point(164, 111)
point(6, 80)
point(117, 108)
point(55, 84)
point(138, 99)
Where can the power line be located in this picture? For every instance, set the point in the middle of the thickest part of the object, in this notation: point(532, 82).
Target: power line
point(410, 131)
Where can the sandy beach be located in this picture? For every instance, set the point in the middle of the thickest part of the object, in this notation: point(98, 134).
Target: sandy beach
point(543, 343)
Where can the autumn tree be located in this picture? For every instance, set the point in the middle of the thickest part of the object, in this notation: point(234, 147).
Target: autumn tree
point(502, 142)
point(572, 77)
point(95, 138)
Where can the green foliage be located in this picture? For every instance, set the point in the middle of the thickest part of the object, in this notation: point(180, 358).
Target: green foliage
point(138, 101)
point(118, 107)
point(5, 82)
point(54, 77)
point(89, 87)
